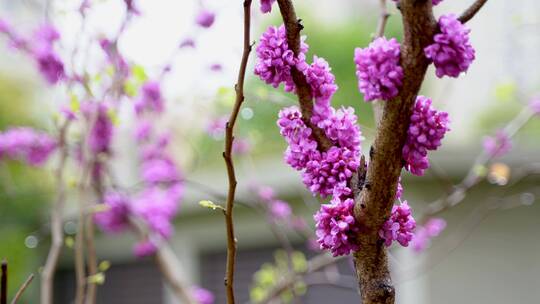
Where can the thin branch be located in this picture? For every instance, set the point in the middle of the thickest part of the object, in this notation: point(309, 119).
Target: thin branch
point(227, 155)
point(168, 264)
point(383, 19)
point(471, 11)
point(315, 264)
point(57, 234)
point(473, 177)
point(303, 89)
point(22, 289)
point(4, 282)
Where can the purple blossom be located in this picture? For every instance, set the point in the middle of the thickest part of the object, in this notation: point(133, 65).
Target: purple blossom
point(378, 70)
point(5, 28)
point(145, 248)
point(47, 34)
point(498, 145)
point(336, 227)
point(266, 6)
point(534, 105)
point(143, 130)
point(131, 7)
point(27, 144)
point(50, 65)
point(202, 296)
point(159, 170)
point(399, 226)
point(301, 146)
point(399, 190)
point(187, 43)
point(451, 51)
point(157, 207)
point(101, 133)
point(205, 18)
point(329, 169)
point(424, 234)
point(321, 79)
point(342, 128)
point(280, 210)
point(115, 218)
point(150, 98)
point(216, 127)
point(265, 193)
point(275, 59)
point(216, 67)
point(241, 146)
point(426, 131)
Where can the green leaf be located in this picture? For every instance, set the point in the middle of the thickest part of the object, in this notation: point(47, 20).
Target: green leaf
point(98, 278)
point(210, 205)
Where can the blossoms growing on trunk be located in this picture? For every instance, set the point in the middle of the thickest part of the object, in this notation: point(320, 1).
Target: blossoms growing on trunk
point(266, 5)
point(275, 59)
point(399, 227)
point(426, 131)
point(26, 144)
point(451, 51)
point(336, 227)
point(378, 70)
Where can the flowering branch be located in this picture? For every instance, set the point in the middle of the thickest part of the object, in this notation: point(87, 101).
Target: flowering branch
point(472, 10)
point(227, 155)
point(57, 235)
point(303, 89)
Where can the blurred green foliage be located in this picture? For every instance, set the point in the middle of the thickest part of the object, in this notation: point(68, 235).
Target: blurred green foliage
point(24, 192)
point(270, 275)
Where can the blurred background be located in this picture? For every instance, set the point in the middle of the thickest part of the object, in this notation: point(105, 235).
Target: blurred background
point(486, 255)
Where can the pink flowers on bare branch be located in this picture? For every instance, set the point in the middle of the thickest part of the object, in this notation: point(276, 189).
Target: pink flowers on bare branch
point(451, 51)
point(377, 67)
point(400, 226)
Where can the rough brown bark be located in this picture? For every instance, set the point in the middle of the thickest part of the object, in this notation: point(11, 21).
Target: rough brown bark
point(303, 89)
point(374, 203)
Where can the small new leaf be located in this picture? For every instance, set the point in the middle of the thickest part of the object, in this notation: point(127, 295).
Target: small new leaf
point(211, 205)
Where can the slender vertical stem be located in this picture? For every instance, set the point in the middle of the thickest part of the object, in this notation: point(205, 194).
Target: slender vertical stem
point(227, 155)
point(4, 282)
point(57, 234)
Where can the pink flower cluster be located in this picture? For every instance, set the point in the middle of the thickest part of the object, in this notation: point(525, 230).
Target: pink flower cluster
point(102, 129)
point(151, 99)
point(325, 173)
point(276, 208)
point(336, 227)
point(266, 5)
point(498, 145)
point(378, 69)
point(399, 227)
point(202, 296)
point(157, 202)
point(275, 59)
point(27, 144)
point(426, 130)
point(41, 47)
point(115, 217)
point(424, 234)
point(451, 51)
point(205, 18)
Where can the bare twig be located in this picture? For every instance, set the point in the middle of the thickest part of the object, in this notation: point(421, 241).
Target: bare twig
point(227, 155)
point(383, 19)
point(3, 282)
point(472, 10)
point(315, 264)
point(458, 194)
point(167, 263)
point(57, 234)
point(22, 289)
